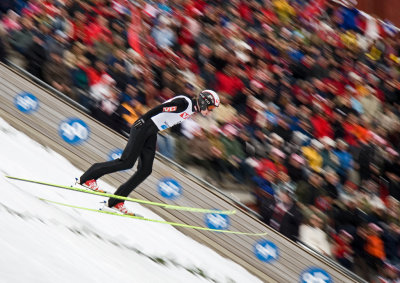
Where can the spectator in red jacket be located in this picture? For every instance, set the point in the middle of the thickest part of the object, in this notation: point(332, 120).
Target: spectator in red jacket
point(321, 126)
point(228, 82)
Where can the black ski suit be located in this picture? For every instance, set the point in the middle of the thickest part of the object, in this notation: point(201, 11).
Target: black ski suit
point(142, 144)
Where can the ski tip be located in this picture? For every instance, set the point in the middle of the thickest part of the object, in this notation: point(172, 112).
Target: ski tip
point(225, 212)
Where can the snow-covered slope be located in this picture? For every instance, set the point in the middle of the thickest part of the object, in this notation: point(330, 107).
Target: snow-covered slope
point(42, 242)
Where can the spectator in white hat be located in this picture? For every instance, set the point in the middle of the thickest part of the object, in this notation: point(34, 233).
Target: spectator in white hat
point(313, 235)
point(329, 159)
point(370, 103)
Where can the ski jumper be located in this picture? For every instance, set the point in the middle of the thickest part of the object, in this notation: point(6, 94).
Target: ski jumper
point(142, 144)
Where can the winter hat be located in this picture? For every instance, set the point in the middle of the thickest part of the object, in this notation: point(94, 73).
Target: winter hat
point(107, 79)
point(346, 234)
point(350, 88)
point(297, 158)
point(315, 143)
point(276, 137)
point(354, 76)
point(391, 267)
point(375, 227)
point(328, 141)
point(61, 34)
point(215, 129)
point(231, 130)
point(391, 151)
point(299, 138)
point(342, 142)
point(378, 138)
point(278, 152)
point(256, 84)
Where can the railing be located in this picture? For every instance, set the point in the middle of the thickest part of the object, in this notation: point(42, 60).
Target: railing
point(47, 86)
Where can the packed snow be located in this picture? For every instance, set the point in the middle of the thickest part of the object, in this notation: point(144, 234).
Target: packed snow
point(43, 242)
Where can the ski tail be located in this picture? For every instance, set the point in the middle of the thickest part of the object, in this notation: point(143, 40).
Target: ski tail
point(183, 225)
point(164, 205)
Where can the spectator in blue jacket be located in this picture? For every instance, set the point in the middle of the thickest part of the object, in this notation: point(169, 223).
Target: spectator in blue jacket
point(349, 15)
point(345, 159)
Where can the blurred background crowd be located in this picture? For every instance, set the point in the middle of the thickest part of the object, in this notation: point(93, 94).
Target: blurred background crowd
point(310, 92)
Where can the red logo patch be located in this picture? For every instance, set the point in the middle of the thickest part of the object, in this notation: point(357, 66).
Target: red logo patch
point(169, 109)
point(184, 115)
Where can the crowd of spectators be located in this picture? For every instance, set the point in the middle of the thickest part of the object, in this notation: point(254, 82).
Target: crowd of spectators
point(310, 93)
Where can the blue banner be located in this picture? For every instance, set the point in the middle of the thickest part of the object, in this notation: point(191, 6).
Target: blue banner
point(26, 102)
point(74, 131)
point(217, 221)
point(315, 275)
point(115, 154)
point(266, 251)
point(169, 188)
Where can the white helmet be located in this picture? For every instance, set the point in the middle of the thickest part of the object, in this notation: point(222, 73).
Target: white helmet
point(208, 99)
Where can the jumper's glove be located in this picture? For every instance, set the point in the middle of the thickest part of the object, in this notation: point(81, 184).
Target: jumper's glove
point(138, 124)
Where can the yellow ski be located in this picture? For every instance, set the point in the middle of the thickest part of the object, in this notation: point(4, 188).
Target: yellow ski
point(164, 205)
point(154, 220)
